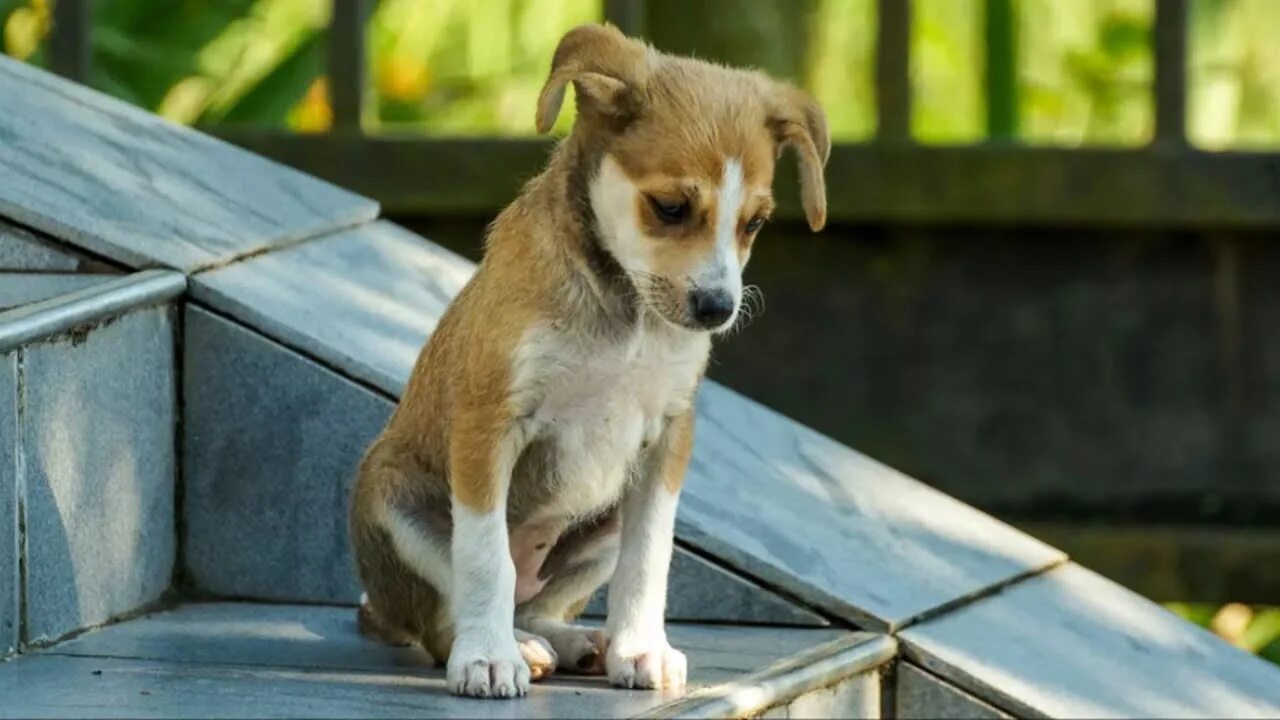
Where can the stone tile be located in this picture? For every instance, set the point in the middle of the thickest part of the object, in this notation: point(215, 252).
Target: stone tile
point(9, 582)
point(236, 660)
point(856, 697)
point(925, 697)
point(271, 443)
point(841, 531)
point(770, 497)
point(363, 301)
point(21, 250)
point(854, 657)
point(698, 591)
point(1072, 644)
point(316, 637)
point(26, 288)
point(68, 687)
point(127, 185)
point(98, 442)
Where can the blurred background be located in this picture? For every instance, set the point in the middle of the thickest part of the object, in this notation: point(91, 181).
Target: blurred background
point(1049, 283)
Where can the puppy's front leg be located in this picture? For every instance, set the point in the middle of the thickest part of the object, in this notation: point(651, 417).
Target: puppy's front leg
point(639, 655)
point(485, 660)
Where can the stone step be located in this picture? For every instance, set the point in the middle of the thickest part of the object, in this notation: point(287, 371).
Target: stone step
point(271, 443)
point(22, 250)
point(88, 406)
point(19, 288)
point(240, 660)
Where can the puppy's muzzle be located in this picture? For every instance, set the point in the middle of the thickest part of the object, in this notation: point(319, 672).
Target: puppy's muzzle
point(711, 308)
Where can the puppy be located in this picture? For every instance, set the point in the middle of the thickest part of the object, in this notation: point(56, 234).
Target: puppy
point(540, 445)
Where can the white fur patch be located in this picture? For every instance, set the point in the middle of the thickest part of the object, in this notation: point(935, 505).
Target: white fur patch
point(599, 401)
point(428, 558)
point(639, 654)
point(724, 272)
point(485, 660)
point(613, 197)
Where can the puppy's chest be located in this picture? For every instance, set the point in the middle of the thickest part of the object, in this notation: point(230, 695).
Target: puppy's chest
point(597, 405)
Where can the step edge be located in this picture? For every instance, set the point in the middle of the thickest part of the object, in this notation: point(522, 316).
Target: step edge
point(21, 325)
point(785, 680)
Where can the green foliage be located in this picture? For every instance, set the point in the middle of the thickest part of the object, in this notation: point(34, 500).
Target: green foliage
point(1258, 629)
point(467, 68)
point(1235, 73)
point(1069, 73)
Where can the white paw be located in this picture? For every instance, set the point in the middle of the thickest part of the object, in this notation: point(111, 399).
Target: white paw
point(656, 666)
point(582, 650)
point(538, 654)
point(478, 671)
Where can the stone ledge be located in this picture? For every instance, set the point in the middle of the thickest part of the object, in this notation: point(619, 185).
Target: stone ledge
point(822, 667)
point(95, 172)
point(249, 660)
point(1070, 643)
point(88, 306)
point(880, 549)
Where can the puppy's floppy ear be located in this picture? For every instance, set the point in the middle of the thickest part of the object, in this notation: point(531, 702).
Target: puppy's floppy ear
point(796, 120)
point(607, 70)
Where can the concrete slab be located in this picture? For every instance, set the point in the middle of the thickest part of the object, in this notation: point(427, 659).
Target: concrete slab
point(362, 301)
point(698, 591)
point(98, 443)
point(25, 288)
point(853, 537)
point(237, 660)
point(1073, 644)
point(325, 637)
point(838, 679)
point(922, 696)
point(271, 442)
point(267, 493)
point(9, 580)
point(769, 497)
point(23, 251)
point(102, 175)
point(856, 697)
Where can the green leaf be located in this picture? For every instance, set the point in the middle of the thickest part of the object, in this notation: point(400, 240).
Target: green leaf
point(271, 99)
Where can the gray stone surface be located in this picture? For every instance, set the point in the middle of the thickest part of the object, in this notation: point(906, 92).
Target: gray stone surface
point(841, 531)
point(921, 696)
point(271, 443)
point(127, 185)
point(698, 591)
point(770, 497)
point(9, 582)
point(25, 288)
point(229, 660)
point(1072, 644)
point(855, 656)
point(363, 301)
point(21, 250)
point(98, 443)
point(855, 697)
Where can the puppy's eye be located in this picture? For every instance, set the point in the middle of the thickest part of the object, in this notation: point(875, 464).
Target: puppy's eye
point(671, 213)
point(754, 224)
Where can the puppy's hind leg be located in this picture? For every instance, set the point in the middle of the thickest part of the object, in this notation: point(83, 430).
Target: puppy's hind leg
point(581, 562)
point(401, 544)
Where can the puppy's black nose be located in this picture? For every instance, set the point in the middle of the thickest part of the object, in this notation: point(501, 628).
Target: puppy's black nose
point(711, 308)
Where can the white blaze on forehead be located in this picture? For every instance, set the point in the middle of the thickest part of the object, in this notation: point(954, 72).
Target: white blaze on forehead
point(729, 204)
point(724, 271)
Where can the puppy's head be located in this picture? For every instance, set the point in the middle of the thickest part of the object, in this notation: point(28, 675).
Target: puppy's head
point(683, 155)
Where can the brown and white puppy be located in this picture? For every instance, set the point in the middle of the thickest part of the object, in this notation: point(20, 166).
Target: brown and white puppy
point(540, 445)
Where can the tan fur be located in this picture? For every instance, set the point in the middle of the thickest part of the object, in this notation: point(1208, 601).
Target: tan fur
point(669, 123)
point(679, 450)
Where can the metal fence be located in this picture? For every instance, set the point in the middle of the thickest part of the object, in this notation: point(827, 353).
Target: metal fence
point(1167, 183)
